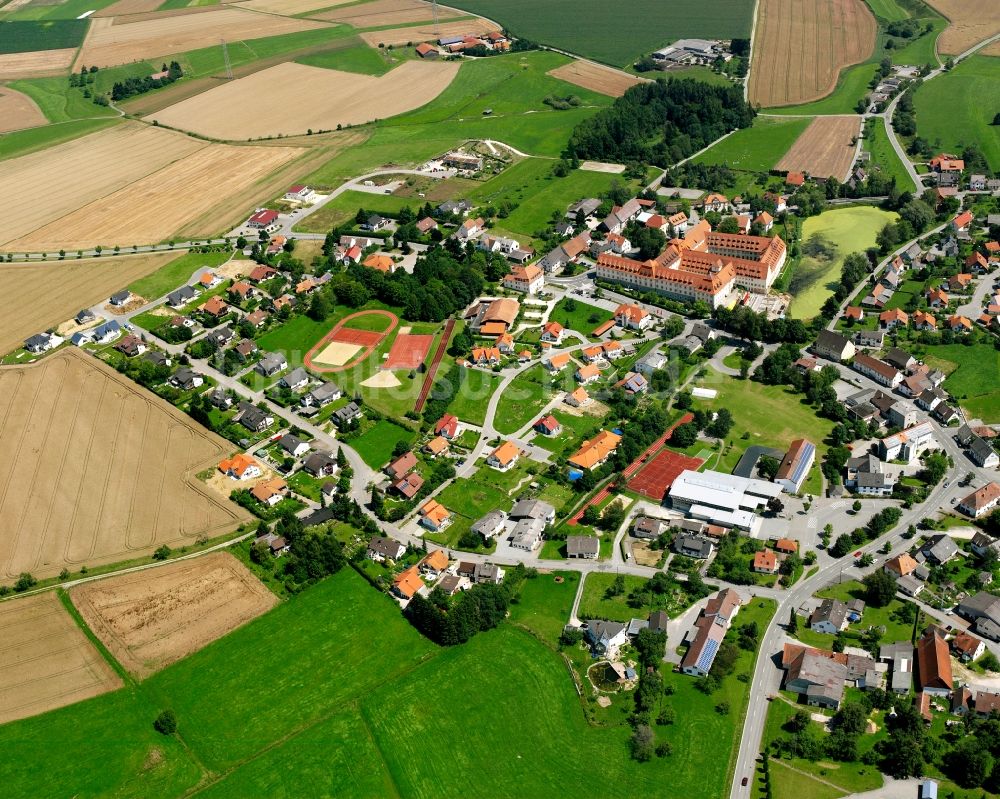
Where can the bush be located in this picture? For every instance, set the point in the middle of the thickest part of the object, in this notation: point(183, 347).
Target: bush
point(166, 723)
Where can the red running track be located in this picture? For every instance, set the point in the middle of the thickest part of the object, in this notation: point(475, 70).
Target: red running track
point(425, 389)
point(369, 339)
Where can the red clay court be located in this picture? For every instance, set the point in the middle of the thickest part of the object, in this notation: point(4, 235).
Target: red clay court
point(342, 333)
point(408, 351)
point(658, 475)
point(348, 335)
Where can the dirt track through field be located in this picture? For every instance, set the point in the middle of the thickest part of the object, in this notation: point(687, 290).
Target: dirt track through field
point(152, 618)
point(800, 47)
point(971, 22)
point(35, 63)
point(108, 44)
point(595, 77)
point(95, 469)
point(825, 148)
point(46, 661)
point(18, 111)
point(427, 33)
point(312, 98)
point(39, 296)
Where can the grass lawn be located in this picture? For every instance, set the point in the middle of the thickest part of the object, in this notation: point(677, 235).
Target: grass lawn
point(474, 391)
point(545, 604)
point(648, 26)
point(60, 102)
point(851, 87)
point(472, 499)
point(583, 317)
point(359, 58)
point(972, 372)
point(787, 783)
point(894, 630)
point(575, 430)
point(523, 399)
point(595, 605)
point(884, 156)
point(921, 50)
point(343, 208)
point(176, 273)
point(376, 444)
point(957, 108)
point(758, 148)
point(847, 230)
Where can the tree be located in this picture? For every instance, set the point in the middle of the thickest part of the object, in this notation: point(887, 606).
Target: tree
point(969, 762)
point(650, 645)
point(990, 662)
point(166, 723)
point(25, 581)
point(793, 622)
point(856, 505)
point(162, 553)
point(841, 546)
point(684, 435)
point(643, 743)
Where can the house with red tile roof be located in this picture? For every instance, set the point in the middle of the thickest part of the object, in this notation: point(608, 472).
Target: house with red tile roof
point(765, 562)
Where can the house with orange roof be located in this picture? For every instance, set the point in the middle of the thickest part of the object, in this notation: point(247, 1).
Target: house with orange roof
point(959, 324)
point(765, 220)
point(959, 282)
point(270, 492)
point(924, 321)
point(947, 163)
point(552, 331)
point(548, 426)
point(591, 354)
point(765, 562)
point(524, 356)
point(209, 280)
point(854, 312)
point(937, 298)
point(306, 286)
point(426, 51)
point(241, 290)
point(787, 546)
point(556, 363)
point(795, 179)
point(505, 343)
point(433, 563)
point(215, 306)
point(380, 262)
point(436, 446)
point(977, 263)
point(963, 222)
point(525, 279)
point(613, 350)
point(632, 317)
point(901, 565)
point(587, 374)
point(434, 516)
point(894, 317)
point(504, 457)
point(577, 398)
point(407, 583)
point(679, 221)
point(596, 451)
point(486, 356)
point(717, 203)
point(240, 467)
point(447, 426)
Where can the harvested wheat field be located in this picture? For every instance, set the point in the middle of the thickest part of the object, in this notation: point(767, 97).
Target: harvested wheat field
point(39, 296)
point(595, 77)
point(800, 46)
point(825, 148)
point(971, 22)
point(95, 469)
point(288, 7)
point(46, 661)
point(380, 13)
point(36, 63)
point(151, 618)
point(426, 33)
point(312, 97)
point(108, 43)
point(130, 184)
point(123, 7)
point(18, 111)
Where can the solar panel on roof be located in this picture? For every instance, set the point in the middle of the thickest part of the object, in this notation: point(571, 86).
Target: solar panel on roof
point(708, 655)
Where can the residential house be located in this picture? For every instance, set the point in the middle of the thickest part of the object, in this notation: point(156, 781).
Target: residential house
point(552, 332)
point(525, 279)
point(347, 414)
point(433, 563)
point(830, 617)
point(381, 549)
point(605, 637)
point(583, 546)
point(879, 371)
point(434, 516)
point(270, 492)
point(186, 379)
point(577, 398)
point(981, 501)
point(271, 363)
point(708, 632)
point(504, 457)
point(939, 549)
point(447, 426)
point(967, 647)
point(632, 317)
point(982, 453)
point(533, 509)
point(691, 546)
point(253, 418)
point(106, 332)
point(180, 297)
point(901, 565)
point(833, 346)
point(548, 426)
point(240, 467)
point(402, 465)
point(321, 395)
point(295, 380)
point(648, 528)
point(437, 446)
point(321, 464)
point(594, 452)
point(293, 445)
point(934, 674)
point(407, 583)
point(895, 317)
point(490, 525)
point(907, 444)
point(765, 561)
point(587, 374)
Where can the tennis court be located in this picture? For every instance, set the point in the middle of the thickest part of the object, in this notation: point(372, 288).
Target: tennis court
point(408, 351)
point(656, 477)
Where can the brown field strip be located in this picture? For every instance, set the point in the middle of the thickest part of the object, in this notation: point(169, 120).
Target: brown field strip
point(108, 44)
point(426, 33)
point(96, 470)
point(288, 7)
point(825, 148)
point(18, 111)
point(595, 77)
point(35, 64)
point(40, 296)
point(381, 13)
point(800, 46)
point(971, 22)
point(127, 7)
point(46, 661)
point(152, 618)
point(312, 97)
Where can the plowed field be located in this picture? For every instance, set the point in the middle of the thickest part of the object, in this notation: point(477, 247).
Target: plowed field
point(94, 469)
point(18, 111)
point(824, 149)
point(595, 77)
point(800, 47)
point(971, 22)
point(426, 33)
point(149, 619)
point(35, 63)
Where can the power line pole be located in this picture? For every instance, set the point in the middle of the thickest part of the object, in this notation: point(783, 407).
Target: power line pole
point(225, 58)
point(434, 8)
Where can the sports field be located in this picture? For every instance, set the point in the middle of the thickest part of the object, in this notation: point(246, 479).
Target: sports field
point(603, 32)
point(46, 661)
point(152, 618)
point(958, 107)
point(408, 351)
point(825, 149)
point(96, 470)
point(841, 232)
point(800, 46)
point(655, 478)
point(350, 342)
point(757, 148)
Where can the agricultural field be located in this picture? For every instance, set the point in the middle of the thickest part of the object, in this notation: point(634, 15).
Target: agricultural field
point(97, 470)
point(380, 13)
point(357, 57)
point(399, 37)
point(837, 233)
point(46, 660)
point(825, 149)
point(38, 296)
point(957, 108)
point(289, 8)
point(971, 22)
point(151, 618)
point(22, 36)
point(971, 377)
point(177, 271)
point(35, 63)
point(108, 180)
point(800, 48)
point(18, 111)
point(314, 99)
point(595, 77)
point(757, 148)
point(648, 24)
point(109, 44)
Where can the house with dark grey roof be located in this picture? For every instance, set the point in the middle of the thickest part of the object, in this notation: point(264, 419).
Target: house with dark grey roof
point(940, 549)
point(186, 379)
point(533, 509)
point(321, 464)
point(85, 315)
point(830, 617)
point(490, 525)
point(296, 379)
point(253, 418)
point(381, 548)
point(900, 656)
point(983, 454)
point(41, 342)
point(181, 296)
point(605, 637)
point(293, 445)
point(692, 546)
point(271, 363)
point(348, 413)
point(583, 546)
point(321, 395)
point(648, 528)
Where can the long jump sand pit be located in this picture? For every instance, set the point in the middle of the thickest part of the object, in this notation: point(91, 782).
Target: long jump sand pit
point(337, 353)
point(130, 184)
point(151, 618)
point(119, 41)
point(18, 111)
point(382, 380)
point(312, 98)
point(46, 661)
point(825, 148)
point(39, 296)
point(95, 469)
point(426, 33)
point(800, 46)
point(35, 63)
point(595, 77)
point(343, 333)
point(971, 22)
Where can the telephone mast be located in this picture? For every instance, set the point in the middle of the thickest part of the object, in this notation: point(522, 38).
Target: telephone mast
point(225, 58)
